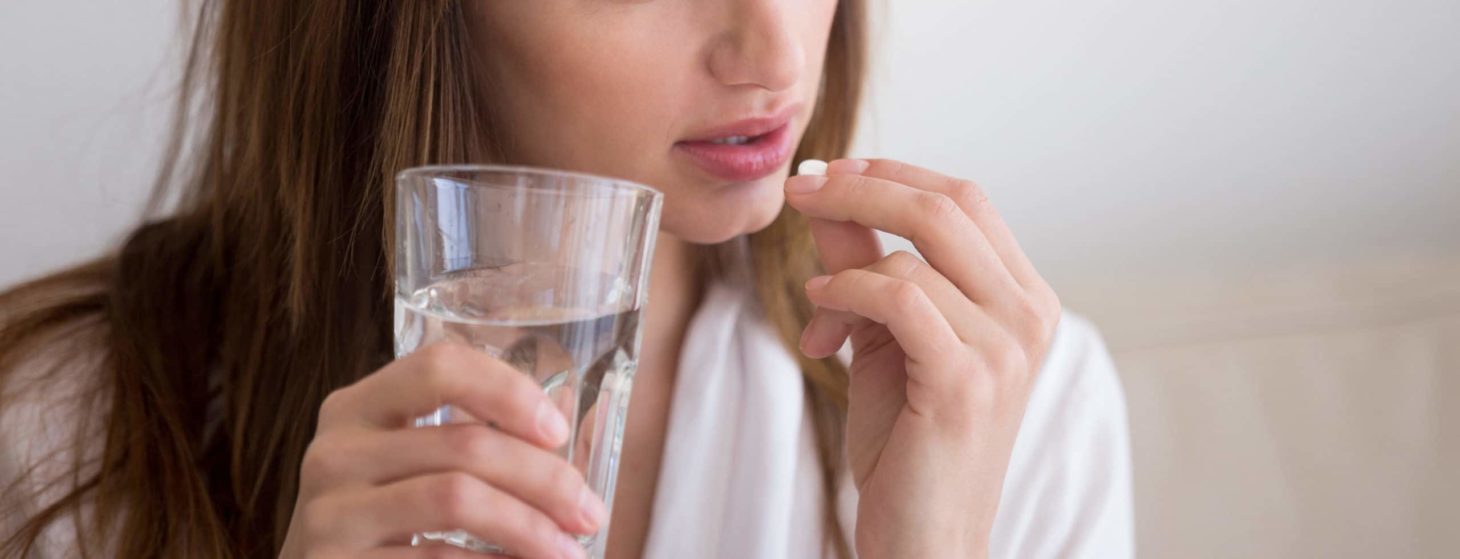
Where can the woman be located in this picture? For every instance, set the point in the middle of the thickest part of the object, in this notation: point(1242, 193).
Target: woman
point(221, 385)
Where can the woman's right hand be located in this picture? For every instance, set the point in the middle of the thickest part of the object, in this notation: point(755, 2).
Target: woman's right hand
point(369, 480)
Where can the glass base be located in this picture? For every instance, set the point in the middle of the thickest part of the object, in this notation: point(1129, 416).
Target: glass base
point(461, 539)
point(458, 538)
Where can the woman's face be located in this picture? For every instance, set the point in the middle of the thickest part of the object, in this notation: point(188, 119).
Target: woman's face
point(654, 90)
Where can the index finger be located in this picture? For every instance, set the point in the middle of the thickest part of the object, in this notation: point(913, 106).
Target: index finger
point(840, 245)
point(449, 373)
point(967, 194)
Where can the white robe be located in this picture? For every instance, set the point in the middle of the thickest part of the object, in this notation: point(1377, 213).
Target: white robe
point(740, 477)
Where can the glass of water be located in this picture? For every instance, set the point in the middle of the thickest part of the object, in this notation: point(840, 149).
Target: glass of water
point(545, 270)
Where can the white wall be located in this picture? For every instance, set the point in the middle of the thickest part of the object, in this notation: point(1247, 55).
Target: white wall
point(1124, 137)
point(83, 106)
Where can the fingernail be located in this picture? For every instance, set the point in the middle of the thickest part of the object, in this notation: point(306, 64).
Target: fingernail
point(568, 547)
point(848, 166)
point(550, 423)
point(591, 507)
point(802, 184)
point(817, 282)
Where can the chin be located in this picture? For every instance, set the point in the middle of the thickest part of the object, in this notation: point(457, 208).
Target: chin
point(724, 214)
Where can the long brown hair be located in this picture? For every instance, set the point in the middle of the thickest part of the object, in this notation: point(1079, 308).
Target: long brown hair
point(265, 286)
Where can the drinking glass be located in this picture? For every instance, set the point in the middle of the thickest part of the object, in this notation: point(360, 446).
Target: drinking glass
point(545, 270)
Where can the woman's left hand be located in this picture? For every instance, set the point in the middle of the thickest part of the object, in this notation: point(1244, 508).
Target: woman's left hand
point(944, 352)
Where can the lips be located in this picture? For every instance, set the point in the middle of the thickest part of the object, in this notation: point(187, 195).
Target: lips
point(744, 150)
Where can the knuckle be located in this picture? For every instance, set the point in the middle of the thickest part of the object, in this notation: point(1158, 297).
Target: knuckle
point(322, 460)
point(1027, 309)
point(438, 358)
point(516, 397)
point(520, 527)
point(564, 482)
point(1006, 360)
point(526, 394)
point(438, 376)
point(935, 204)
point(1028, 318)
point(905, 294)
point(543, 531)
point(891, 168)
point(474, 442)
point(457, 495)
point(1028, 313)
point(901, 264)
point(939, 209)
point(432, 356)
point(967, 193)
point(1052, 307)
point(1035, 317)
point(334, 405)
point(1031, 332)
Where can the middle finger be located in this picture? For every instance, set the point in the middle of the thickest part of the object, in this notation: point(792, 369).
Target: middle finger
point(934, 223)
point(828, 328)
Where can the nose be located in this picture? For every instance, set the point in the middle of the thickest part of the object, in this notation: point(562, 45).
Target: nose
point(759, 46)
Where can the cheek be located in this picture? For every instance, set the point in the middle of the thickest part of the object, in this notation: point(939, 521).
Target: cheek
point(583, 101)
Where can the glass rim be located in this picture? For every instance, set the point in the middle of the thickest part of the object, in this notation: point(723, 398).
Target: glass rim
point(446, 170)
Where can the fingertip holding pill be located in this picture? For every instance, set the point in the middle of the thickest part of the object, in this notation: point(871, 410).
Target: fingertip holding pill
point(811, 167)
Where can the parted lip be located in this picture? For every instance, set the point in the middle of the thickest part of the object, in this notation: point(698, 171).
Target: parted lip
point(753, 126)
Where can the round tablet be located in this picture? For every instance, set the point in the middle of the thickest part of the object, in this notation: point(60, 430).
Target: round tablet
point(811, 167)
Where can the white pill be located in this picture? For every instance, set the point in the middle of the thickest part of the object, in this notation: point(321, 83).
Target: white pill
point(811, 167)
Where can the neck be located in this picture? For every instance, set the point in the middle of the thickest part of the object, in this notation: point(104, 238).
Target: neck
point(674, 293)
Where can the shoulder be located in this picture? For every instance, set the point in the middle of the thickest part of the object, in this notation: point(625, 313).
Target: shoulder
point(1068, 491)
point(53, 399)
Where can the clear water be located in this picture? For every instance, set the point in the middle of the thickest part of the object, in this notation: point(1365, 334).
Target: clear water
point(583, 357)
